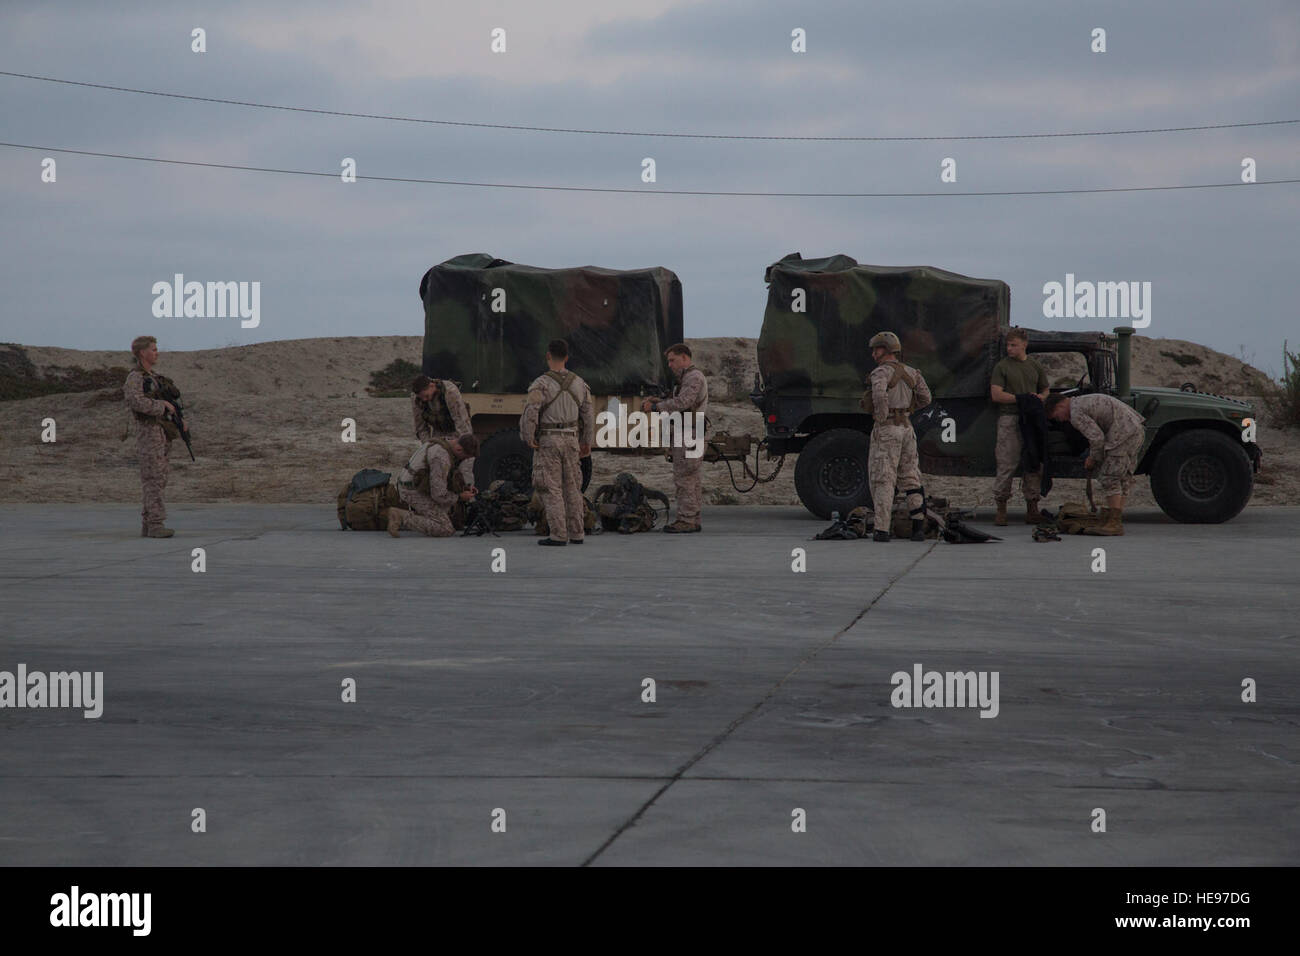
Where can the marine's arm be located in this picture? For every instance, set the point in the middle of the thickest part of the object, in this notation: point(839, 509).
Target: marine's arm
point(880, 394)
point(138, 401)
point(1090, 430)
point(689, 396)
point(997, 390)
point(923, 396)
point(528, 420)
point(423, 430)
point(459, 410)
point(586, 422)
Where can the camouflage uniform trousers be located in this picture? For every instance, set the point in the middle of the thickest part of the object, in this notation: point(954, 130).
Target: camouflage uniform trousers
point(1118, 465)
point(892, 461)
point(557, 477)
point(686, 479)
point(152, 448)
point(1007, 453)
point(423, 515)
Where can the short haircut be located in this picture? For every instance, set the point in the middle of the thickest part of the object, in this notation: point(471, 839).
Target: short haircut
point(558, 349)
point(468, 444)
point(420, 383)
point(681, 348)
point(1018, 334)
point(140, 343)
point(1056, 398)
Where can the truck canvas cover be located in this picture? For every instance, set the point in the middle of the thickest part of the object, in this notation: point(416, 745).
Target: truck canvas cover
point(949, 325)
point(617, 323)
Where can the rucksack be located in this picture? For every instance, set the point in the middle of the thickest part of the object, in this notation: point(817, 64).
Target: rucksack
point(365, 500)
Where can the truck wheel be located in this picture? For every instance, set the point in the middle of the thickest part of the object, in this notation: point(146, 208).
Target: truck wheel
point(1202, 477)
point(830, 473)
point(504, 456)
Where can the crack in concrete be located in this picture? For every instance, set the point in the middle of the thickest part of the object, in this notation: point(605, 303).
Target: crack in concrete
point(743, 718)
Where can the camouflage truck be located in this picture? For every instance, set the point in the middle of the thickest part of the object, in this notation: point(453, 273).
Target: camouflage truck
point(813, 361)
point(487, 323)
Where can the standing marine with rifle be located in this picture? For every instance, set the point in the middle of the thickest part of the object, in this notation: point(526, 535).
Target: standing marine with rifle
point(896, 390)
point(690, 395)
point(154, 403)
point(559, 426)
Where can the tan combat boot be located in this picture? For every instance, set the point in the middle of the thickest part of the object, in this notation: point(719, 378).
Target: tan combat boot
point(1032, 514)
point(159, 532)
point(681, 527)
point(1111, 524)
point(1000, 519)
point(395, 516)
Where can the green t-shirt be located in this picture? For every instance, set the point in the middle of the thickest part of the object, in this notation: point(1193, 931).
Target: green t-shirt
point(1018, 378)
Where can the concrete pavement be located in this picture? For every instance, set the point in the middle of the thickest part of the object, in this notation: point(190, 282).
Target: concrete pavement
point(522, 691)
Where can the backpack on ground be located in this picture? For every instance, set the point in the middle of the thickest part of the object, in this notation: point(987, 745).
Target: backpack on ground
point(365, 500)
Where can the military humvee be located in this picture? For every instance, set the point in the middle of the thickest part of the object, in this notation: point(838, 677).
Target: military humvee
point(813, 361)
point(487, 323)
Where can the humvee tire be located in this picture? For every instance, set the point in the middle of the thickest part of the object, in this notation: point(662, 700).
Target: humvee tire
point(504, 456)
point(830, 473)
point(1202, 477)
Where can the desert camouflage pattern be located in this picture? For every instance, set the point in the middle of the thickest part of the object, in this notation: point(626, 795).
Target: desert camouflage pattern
point(892, 463)
point(886, 401)
point(689, 396)
point(948, 324)
point(1007, 453)
point(570, 409)
point(152, 448)
point(430, 488)
point(617, 324)
point(446, 416)
point(557, 478)
point(1106, 422)
point(1115, 436)
point(891, 457)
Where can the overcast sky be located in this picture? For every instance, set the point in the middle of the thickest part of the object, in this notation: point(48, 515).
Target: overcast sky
point(80, 255)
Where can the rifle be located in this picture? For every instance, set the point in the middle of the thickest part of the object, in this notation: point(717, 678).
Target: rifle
point(168, 392)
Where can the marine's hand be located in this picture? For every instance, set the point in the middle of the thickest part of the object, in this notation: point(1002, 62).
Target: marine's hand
point(171, 409)
point(584, 451)
point(532, 443)
point(467, 496)
point(1087, 463)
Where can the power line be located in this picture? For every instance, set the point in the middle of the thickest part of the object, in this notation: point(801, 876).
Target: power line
point(616, 132)
point(644, 192)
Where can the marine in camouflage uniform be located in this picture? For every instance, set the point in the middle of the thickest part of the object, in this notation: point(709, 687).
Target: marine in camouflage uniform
point(1115, 436)
point(152, 441)
point(437, 476)
point(1016, 374)
point(690, 395)
point(559, 425)
point(438, 409)
point(896, 390)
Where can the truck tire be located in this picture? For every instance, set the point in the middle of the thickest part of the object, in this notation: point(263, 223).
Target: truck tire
point(1202, 477)
point(830, 473)
point(504, 455)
